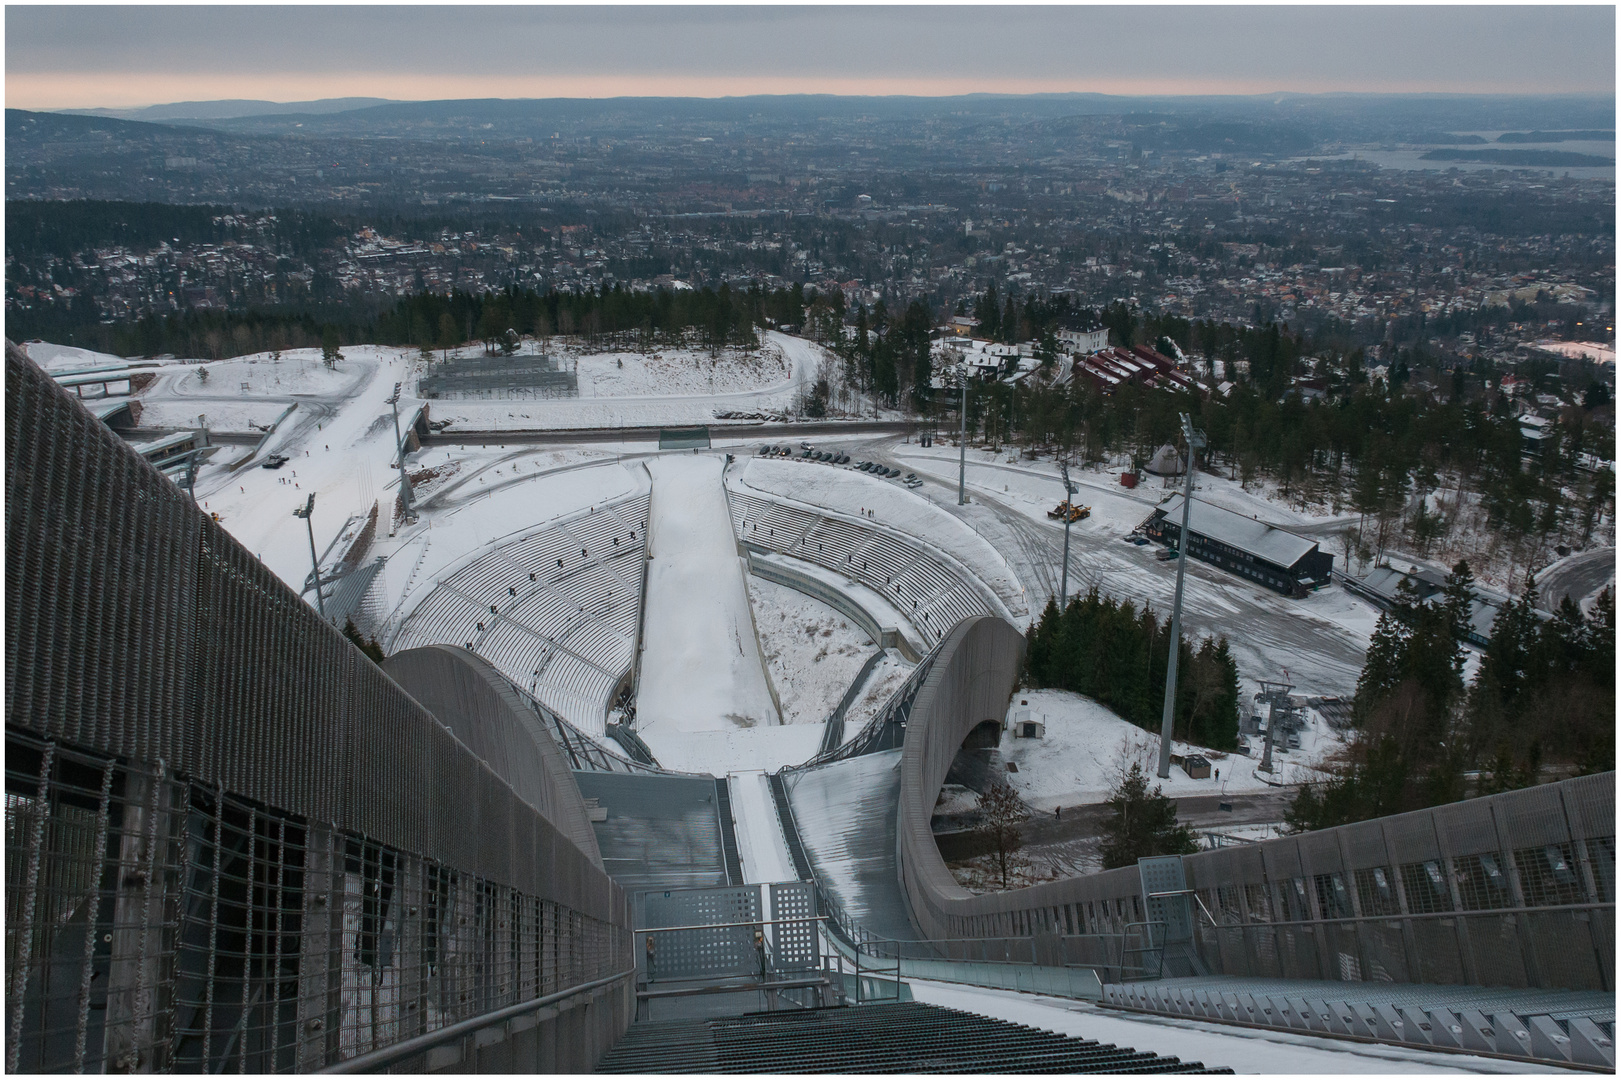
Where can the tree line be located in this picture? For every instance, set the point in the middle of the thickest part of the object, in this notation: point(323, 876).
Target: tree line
point(1541, 704)
point(1115, 654)
point(611, 316)
point(1367, 447)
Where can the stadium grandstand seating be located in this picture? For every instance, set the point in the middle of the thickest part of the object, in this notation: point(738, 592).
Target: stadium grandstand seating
point(559, 625)
point(929, 589)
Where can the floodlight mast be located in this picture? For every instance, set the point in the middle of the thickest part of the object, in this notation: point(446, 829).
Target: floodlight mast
point(306, 512)
point(962, 440)
point(1195, 439)
point(406, 494)
point(1069, 506)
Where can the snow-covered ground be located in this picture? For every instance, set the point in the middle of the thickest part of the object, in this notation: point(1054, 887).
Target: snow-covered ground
point(671, 387)
point(1087, 748)
point(1244, 1050)
point(756, 748)
point(61, 359)
point(811, 650)
point(848, 491)
point(1320, 640)
point(1035, 486)
point(761, 847)
point(886, 678)
point(341, 450)
point(701, 668)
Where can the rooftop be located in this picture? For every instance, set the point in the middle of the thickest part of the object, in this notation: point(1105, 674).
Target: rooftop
point(1236, 530)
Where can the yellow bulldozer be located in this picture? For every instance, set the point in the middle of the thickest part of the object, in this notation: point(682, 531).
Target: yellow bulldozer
point(1068, 511)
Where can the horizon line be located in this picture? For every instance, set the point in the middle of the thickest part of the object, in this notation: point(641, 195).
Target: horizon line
point(379, 102)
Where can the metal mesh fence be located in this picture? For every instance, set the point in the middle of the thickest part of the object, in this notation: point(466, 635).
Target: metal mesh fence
point(1513, 890)
point(1507, 891)
point(232, 843)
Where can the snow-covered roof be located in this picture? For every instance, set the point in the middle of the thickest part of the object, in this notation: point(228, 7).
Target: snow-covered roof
point(1235, 530)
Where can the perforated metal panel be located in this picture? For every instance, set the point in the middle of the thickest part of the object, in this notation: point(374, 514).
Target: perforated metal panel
point(794, 945)
point(712, 951)
point(1163, 874)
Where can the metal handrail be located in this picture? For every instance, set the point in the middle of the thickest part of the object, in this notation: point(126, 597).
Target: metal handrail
point(723, 925)
point(1398, 916)
point(389, 1055)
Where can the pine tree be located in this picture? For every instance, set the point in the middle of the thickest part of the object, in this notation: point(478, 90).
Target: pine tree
point(1143, 823)
point(330, 356)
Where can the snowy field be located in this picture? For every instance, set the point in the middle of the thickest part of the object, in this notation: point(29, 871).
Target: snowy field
point(1319, 641)
point(669, 387)
point(811, 650)
point(1087, 748)
point(61, 359)
point(1035, 486)
point(342, 450)
point(848, 491)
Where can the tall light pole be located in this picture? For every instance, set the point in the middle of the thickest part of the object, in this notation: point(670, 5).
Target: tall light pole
point(399, 452)
point(1069, 507)
point(1195, 439)
point(306, 512)
point(962, 441)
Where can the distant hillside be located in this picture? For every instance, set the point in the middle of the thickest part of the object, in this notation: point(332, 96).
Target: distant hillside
point(1549, 158)
point(24, 128)
point(1556, 136)
point(231, 109)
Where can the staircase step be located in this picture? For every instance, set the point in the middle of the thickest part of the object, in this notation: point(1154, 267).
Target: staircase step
point(903, 1037)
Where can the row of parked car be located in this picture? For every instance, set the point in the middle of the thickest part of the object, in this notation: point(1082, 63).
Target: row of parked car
point(910, 479)
point(807, 452)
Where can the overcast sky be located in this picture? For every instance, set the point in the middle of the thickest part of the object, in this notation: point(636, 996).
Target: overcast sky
point(79, 57)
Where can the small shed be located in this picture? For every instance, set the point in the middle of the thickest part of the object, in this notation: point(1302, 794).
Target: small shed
point(1197, 766)
point(1024, 727)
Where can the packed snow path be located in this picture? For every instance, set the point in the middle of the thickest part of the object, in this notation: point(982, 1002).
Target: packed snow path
point(760, 843)
point(701, 669)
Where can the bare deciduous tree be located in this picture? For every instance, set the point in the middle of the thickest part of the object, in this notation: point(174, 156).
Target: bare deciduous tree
point(1003, 812)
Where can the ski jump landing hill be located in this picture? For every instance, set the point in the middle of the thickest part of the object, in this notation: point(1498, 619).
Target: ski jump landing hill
point(415, 811)
point(700, 666)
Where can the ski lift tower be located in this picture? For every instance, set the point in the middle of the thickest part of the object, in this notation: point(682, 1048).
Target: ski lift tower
point(1195, 439)
point(1283, 715)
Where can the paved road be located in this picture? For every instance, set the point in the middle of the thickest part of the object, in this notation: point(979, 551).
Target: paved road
point(1268, 633)
point(1577, 577)
point(763, 432)
point(1073, 843)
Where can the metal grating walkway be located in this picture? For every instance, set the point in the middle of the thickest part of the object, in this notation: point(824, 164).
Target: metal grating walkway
point(907, 1037)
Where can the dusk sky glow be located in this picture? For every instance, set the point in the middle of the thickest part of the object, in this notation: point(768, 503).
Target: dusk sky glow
point(82, 57)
